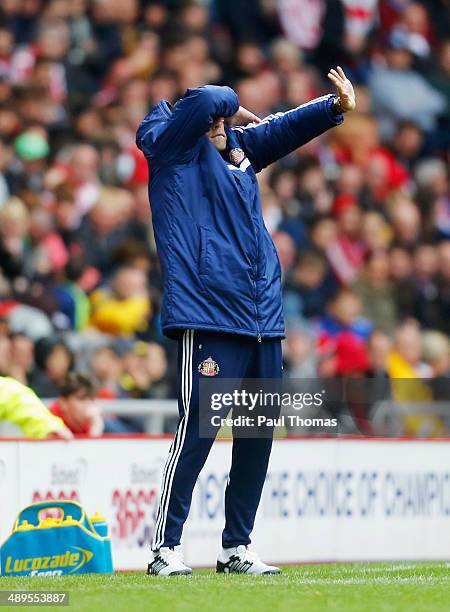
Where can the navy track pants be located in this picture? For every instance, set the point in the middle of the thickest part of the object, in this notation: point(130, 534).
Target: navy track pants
point(236, 357)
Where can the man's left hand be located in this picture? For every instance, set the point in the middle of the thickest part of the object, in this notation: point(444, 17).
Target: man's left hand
point(346, 101)
point(242, 117)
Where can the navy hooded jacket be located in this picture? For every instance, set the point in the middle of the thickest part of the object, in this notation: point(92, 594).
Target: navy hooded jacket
point(220, 266)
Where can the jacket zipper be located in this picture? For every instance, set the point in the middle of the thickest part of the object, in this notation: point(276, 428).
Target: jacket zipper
point(255, 231)
point(258, 333)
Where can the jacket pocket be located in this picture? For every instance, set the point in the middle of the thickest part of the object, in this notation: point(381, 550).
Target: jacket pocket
point(203, 266)
point(273, 248)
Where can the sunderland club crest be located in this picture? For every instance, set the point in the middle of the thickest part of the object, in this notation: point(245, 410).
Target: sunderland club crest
point(236, 156)
point(208, 367)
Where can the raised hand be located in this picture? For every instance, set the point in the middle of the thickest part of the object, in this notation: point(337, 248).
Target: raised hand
point(347, 101)
point(243, 117)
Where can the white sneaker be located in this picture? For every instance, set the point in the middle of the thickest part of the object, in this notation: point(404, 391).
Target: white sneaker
point(167, 562)
point(241, 560)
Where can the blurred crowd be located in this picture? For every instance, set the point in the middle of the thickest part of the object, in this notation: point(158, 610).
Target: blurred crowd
point(360, 216)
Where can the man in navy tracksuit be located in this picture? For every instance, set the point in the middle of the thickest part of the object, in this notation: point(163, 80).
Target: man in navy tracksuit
point(222, 290)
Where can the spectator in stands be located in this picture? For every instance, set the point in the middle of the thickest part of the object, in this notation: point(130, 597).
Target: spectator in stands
point(401, 270)
point(31, 148)
point(308, 286)
point(344, 315)
point(427, 306)
point(406, 359)
point(75, 405)
point(123, 308)
point(379, 347)
point(406, 220)
point(407, 143)
point(376, 233)
point(145, 372)
point(106, 367)
point(407, 369)
point(22, 357)
point(54, 361)
point(109, 369)
point(346, 254)
point(5, 355)
point(389, 83)
point(341, 337)
point(20, 406)
point(351, 355)
point(300, 355)
point(14, 223)
point(105, 227)
point(376, 293)
point(48, 252)
point(436, 352)
point(70, 295)
point(432, 178)
point(440, 75)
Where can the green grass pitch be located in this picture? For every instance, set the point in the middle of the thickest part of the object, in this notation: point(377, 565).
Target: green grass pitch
point(368, 587)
